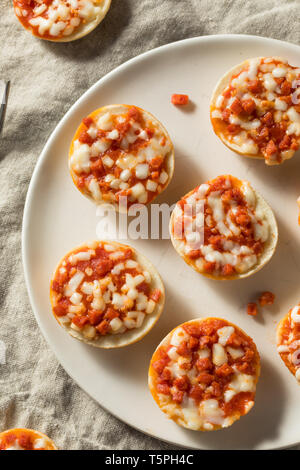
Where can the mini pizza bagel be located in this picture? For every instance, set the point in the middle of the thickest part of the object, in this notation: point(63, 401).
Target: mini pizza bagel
point(25, 439)
point(60, 20)
point(106, 294)
point(255, 109)
point(203, 374)
point(224, 229)
point(288, 341)
point(121, 155)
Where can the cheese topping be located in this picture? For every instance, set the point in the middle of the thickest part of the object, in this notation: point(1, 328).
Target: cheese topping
point(198, 380)
point(288, 340)
point(259, 111)
point(24, 439)
point(101, 289)
point(55, 19)
point(219, 228)
point(120, 156)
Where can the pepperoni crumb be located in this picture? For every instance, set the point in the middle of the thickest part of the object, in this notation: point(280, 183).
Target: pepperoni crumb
point(156, 163)
point(285, 143)
point(196, 392)
point(233, 129)
point(209, 267)
point(179, 100)
point(103, 327)
point(285, 88)
point(193, 343)
point(25, 441)
point(177, 396)
point(267, 119)
point(205, 378)
point(228, 270)
point(166, 374)
point(94, 316)
point(252, 309)
point(194, 254)
point(163, 388)
point(85, 138)
point(134, 113)
point(101, 266)
point(226, 115)
point(271, 133)
point(155, 295)
point(204, 364)
point(182, 383)
point(61, 309)
point(266, 298)
point(248, 355)
point(255, 86)
point(183, 349)
point(216, 389)
point(97, 167)
point(234, 341)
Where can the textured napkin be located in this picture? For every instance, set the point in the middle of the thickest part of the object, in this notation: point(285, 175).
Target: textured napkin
point(46, 79)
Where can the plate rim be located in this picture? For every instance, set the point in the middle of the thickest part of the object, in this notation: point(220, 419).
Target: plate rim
point(33, 180)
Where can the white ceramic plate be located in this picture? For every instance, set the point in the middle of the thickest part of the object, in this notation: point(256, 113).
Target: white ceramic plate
point(57, 218)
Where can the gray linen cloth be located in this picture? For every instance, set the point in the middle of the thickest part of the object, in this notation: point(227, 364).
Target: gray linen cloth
point(47, 79)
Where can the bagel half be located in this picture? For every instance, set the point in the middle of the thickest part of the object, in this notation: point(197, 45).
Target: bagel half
point(254, 109)
point(121, 152)
point(224, 257)
point(288, 341)
point(25, 439)
point(61, 20)
point(203, 374)
point(106, 294)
